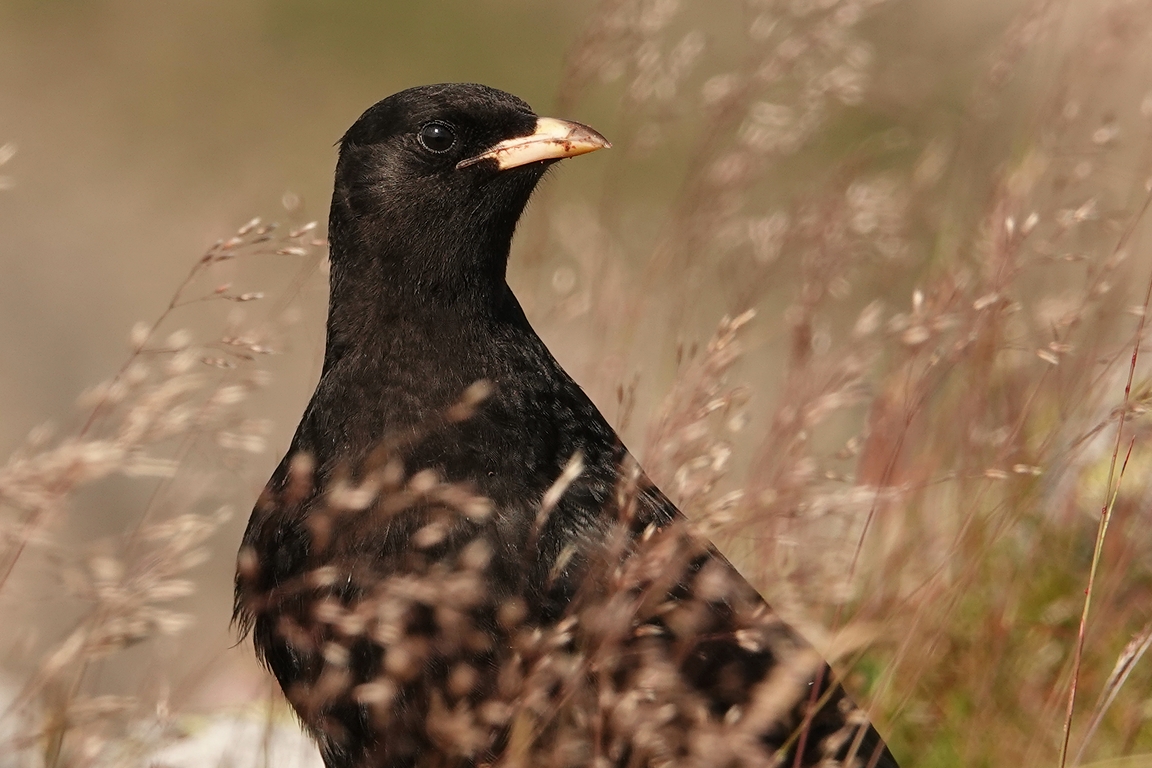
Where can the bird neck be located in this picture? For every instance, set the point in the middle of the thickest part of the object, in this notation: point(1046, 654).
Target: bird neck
point(386, 277)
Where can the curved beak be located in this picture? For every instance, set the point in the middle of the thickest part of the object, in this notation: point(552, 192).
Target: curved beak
point(552, 140)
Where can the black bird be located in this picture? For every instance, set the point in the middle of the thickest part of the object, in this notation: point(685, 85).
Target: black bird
point(458, 563)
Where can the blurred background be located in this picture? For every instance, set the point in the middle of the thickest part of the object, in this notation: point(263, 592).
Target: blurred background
point(144, 133)
point(744, 134)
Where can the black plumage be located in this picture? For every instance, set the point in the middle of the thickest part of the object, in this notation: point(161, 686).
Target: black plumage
point(409, 621)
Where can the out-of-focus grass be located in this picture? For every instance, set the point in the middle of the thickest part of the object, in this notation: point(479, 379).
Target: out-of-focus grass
point(933, 413)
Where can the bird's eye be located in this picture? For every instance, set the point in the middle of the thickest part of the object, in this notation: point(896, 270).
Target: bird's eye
point(437, 137)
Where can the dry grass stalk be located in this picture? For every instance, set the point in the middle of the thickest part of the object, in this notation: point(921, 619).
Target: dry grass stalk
point(141, 424)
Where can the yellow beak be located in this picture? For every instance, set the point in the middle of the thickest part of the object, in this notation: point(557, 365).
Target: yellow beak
point(552, 140)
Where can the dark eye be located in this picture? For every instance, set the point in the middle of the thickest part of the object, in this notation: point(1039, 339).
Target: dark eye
point(437, 137)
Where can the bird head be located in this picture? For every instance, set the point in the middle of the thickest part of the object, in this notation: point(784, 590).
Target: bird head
point(432, 180)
